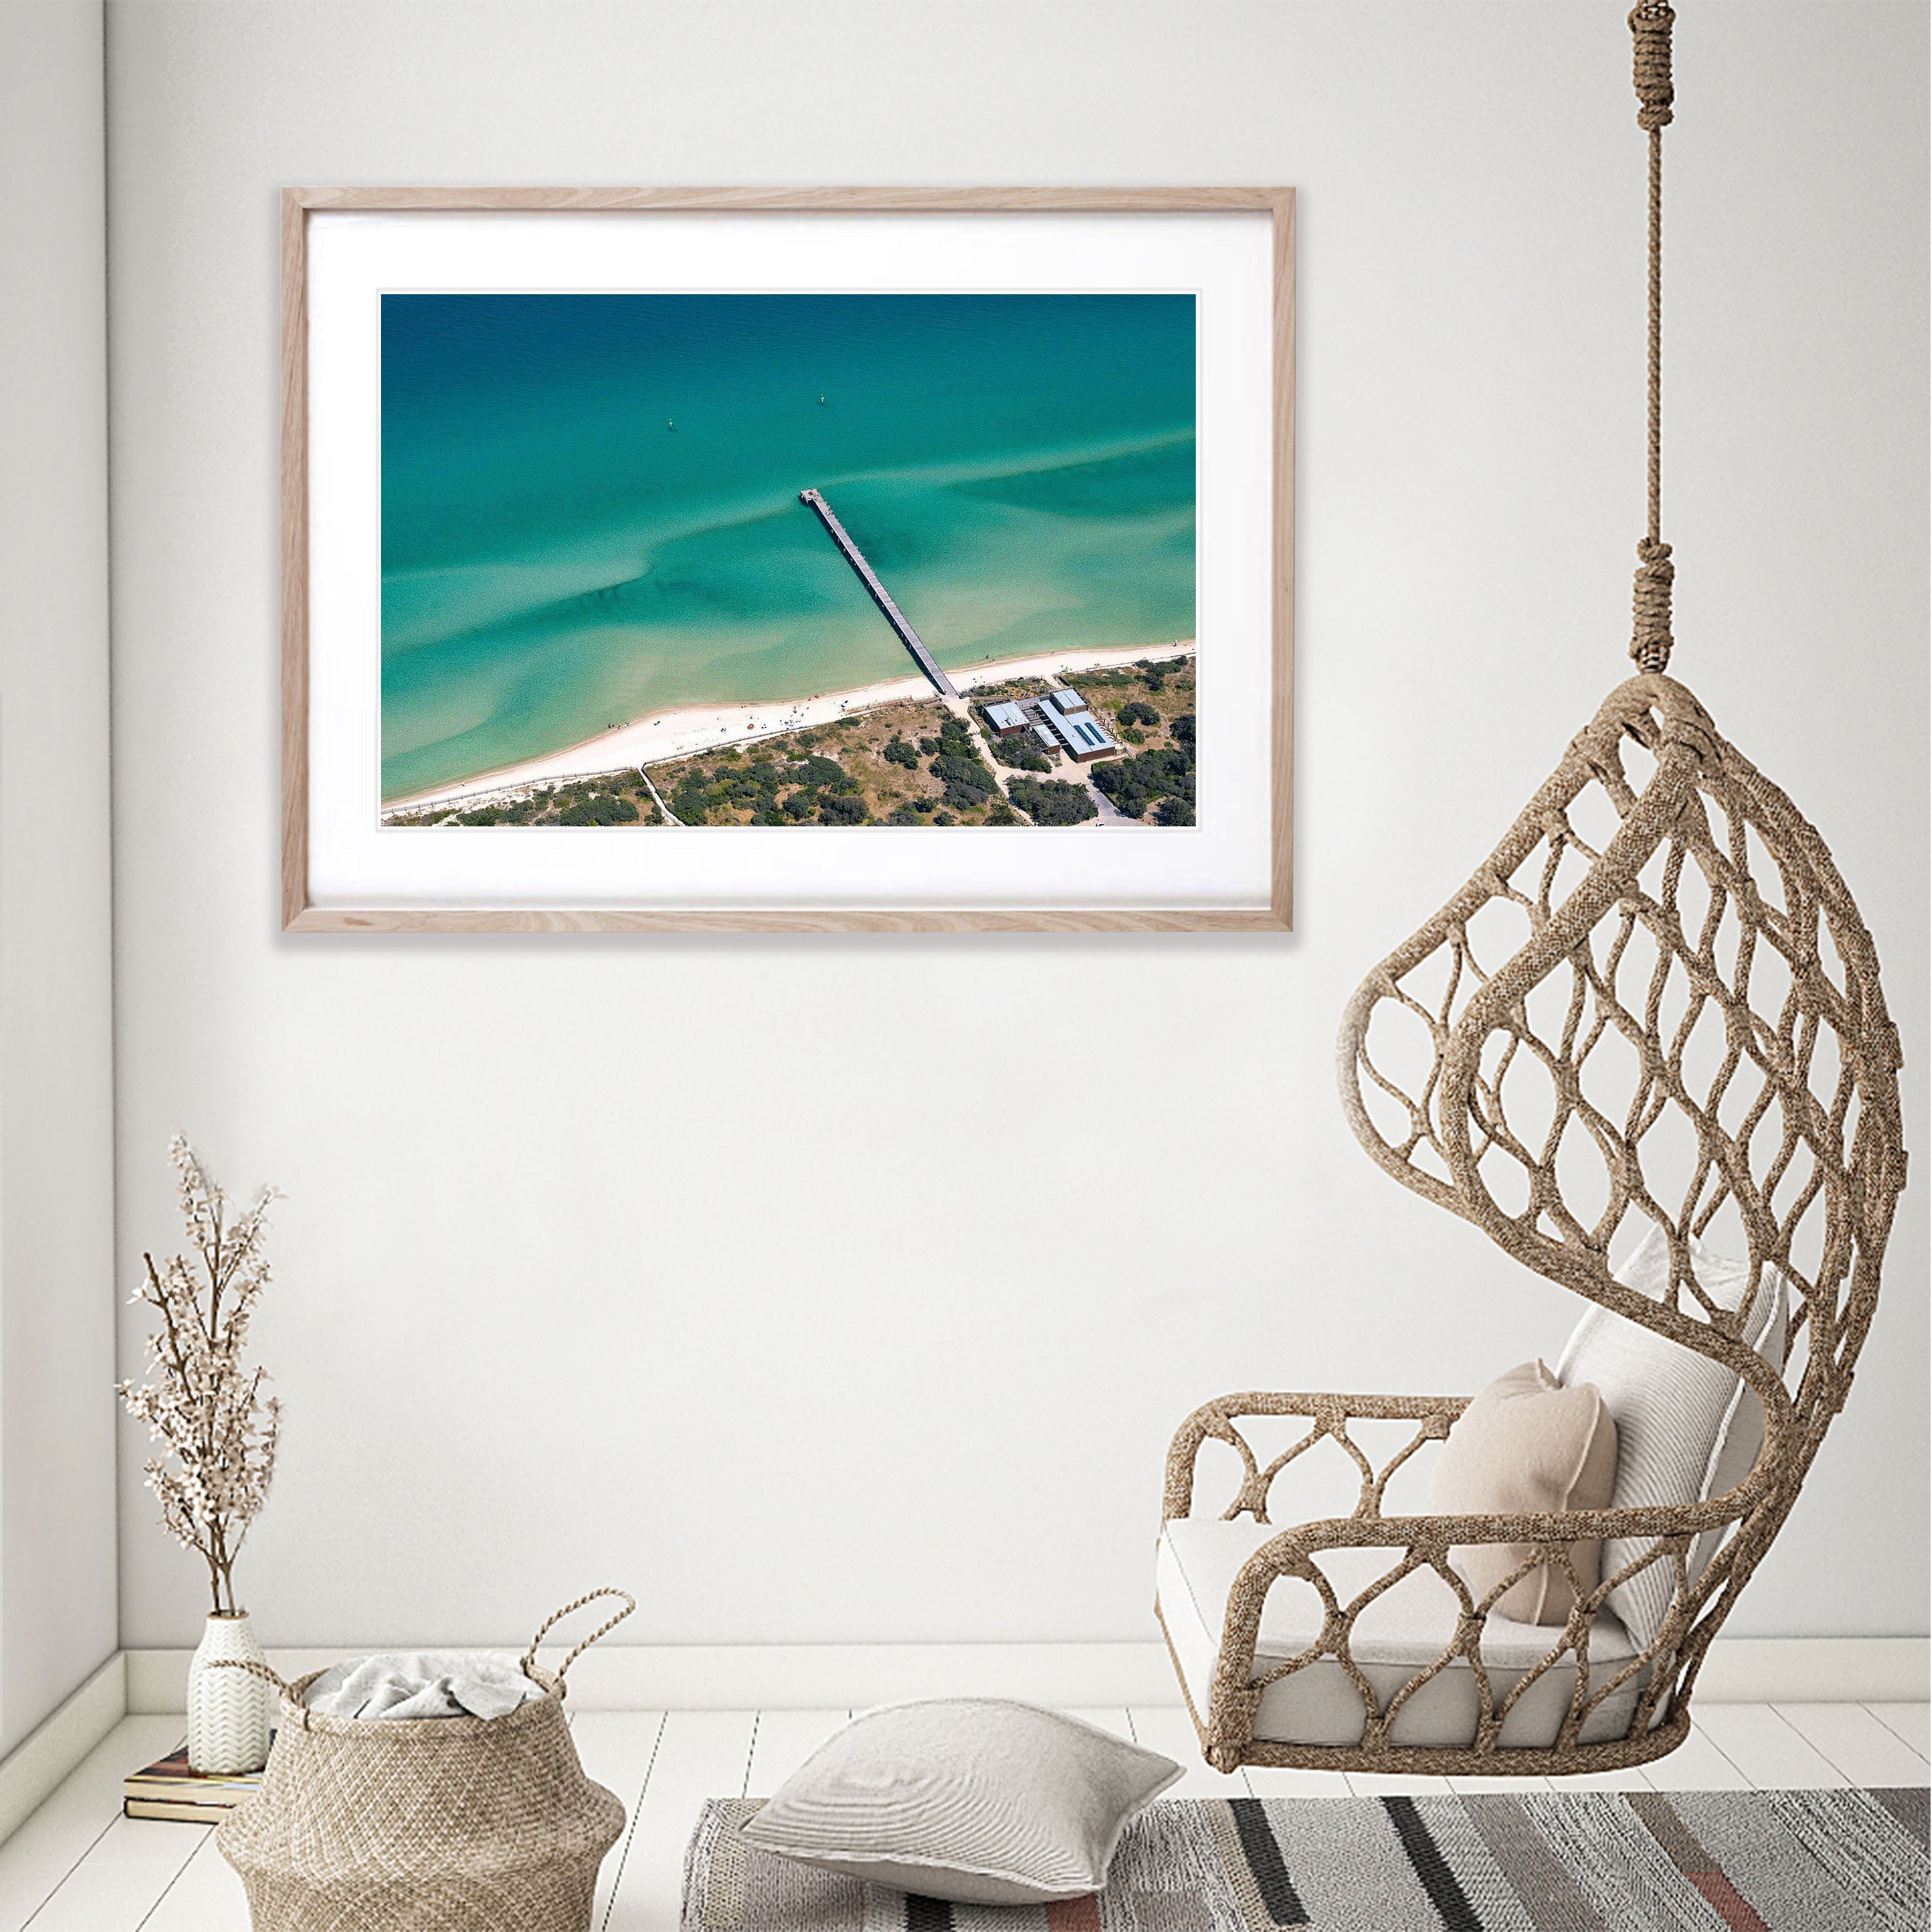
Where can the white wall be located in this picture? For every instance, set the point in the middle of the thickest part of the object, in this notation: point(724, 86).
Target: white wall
point(661, 1261)
point(57, 1503)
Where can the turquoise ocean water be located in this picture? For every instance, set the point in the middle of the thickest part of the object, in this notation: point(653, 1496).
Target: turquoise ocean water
point(557, 559)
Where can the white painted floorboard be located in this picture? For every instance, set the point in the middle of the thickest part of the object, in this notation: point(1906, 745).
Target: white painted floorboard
point(206, 1897)
point(1167, 1728)
point(702, 1754)
point(1855, 1743)
point(1695, 1765)
point(35, 1860)
point(617, 1749)
point(77, 1866)
point(1766, 1749)
point(783, 1741)
point(1912, 1722)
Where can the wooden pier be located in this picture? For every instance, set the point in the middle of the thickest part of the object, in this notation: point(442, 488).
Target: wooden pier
point(880, 596)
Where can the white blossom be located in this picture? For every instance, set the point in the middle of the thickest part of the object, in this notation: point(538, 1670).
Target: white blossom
point(219, 1430)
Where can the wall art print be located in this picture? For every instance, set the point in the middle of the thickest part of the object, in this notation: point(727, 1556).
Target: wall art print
point(660, 586)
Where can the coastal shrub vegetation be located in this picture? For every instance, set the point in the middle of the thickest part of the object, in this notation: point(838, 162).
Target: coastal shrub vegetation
point(960, 771)
point(956, 765)
point(815, 771)
point(911, 763)
point(1022, 753)
point(605, 810)
point(1132, 784)
point(1053, 801)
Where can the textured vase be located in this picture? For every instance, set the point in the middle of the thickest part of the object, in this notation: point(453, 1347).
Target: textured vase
point(229, 1712)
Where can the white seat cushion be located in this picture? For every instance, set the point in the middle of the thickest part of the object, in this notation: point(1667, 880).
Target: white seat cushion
point(1402, 1631)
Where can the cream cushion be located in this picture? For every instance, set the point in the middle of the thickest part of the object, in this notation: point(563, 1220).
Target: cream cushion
point(970, 1799)
point(1527, 1445)
point(1688, 1429)
point(1402, 1631)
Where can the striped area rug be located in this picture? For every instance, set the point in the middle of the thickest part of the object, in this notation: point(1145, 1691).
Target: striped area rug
point(1565, 1861)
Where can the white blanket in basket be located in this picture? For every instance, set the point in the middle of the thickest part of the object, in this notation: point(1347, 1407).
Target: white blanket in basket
point(422, 1683)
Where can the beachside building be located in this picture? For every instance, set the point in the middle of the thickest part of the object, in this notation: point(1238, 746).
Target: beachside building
point(1061, 721)
point(1081, 736)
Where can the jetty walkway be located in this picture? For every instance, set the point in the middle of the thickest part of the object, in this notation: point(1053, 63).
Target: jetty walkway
point(881, 596)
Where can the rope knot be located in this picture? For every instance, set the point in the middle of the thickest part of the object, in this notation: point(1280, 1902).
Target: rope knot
point(1650, 25)
point(1651, 640)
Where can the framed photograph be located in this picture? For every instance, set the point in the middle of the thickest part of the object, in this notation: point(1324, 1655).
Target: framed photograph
point(792, 559)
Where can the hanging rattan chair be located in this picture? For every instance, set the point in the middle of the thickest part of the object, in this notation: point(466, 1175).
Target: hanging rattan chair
point(1654, 1011)
point(1701, 998)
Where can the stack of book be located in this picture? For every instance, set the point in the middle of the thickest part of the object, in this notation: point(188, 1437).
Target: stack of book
point(171, 1790)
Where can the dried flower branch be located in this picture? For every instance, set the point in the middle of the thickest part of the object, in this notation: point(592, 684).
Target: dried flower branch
point(220, 1431)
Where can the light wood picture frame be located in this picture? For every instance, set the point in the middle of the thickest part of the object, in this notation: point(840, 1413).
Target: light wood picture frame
point(344, 869)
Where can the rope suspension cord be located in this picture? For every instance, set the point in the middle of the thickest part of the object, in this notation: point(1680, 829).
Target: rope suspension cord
point(1650, 23)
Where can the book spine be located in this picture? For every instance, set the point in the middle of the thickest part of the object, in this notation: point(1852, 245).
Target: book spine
point(169, 1812)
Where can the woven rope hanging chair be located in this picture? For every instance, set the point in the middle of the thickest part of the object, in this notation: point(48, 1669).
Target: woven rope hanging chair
point(1653, 1009)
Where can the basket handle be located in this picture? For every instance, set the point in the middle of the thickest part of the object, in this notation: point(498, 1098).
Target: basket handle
point(630, 1603)
point(253, 1670)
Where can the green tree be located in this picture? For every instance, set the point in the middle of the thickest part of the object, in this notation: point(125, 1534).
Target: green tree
point(1132, 784)
point(1022, 753)
point(1053, 801)
point(816, 771)
point(601, 810)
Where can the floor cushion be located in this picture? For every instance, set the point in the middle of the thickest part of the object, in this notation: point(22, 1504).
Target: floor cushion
point(976, 1800)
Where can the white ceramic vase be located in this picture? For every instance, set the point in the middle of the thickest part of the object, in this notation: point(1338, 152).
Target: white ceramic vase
point(229, 1712)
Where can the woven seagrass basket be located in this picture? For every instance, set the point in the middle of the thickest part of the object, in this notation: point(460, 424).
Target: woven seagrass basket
point(435, 1825)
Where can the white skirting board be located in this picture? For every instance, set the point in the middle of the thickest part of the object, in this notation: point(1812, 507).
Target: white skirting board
point(1740, 1670)
point(33, 1771)
point(771, 1677)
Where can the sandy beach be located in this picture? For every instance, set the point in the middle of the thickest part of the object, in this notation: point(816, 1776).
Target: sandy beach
point(677, 733)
